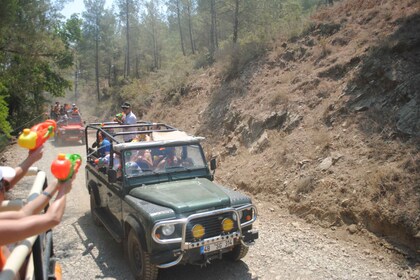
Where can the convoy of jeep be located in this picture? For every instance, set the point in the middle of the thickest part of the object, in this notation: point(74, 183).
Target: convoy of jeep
point(156, 196)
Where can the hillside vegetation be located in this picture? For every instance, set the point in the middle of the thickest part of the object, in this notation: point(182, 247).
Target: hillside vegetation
point(326, 123)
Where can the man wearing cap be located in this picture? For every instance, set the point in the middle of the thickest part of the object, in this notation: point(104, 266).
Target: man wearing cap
point(129, 118)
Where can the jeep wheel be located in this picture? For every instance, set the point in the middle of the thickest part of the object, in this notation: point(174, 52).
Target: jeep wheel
point(95, 219)
point(237, 253)
point(140, 264)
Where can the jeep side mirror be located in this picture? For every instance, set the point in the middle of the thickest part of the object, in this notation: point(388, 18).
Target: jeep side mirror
point(112, 175)
point(213, 164)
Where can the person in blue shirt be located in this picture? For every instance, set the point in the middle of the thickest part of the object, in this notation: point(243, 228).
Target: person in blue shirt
point(104, 145)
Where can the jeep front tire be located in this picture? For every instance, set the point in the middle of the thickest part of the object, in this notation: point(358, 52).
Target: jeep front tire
point(238, 252)
point(95, 219)
point(139, 259)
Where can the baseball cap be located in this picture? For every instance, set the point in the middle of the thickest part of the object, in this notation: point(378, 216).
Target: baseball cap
point(125, 105)
point(7, 172)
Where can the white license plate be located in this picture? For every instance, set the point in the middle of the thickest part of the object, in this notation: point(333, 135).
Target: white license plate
point(216, 246)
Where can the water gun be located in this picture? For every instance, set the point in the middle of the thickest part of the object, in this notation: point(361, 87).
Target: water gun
point(36, 136)
point(119, 117)
point(65, 165)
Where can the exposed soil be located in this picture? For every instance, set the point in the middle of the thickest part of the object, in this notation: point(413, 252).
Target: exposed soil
point(326, 125)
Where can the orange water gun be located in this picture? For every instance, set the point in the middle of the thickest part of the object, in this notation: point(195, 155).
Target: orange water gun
point(65, 165)
point(36, 136)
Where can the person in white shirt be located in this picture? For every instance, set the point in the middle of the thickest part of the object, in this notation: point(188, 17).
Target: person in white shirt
point(129, 118)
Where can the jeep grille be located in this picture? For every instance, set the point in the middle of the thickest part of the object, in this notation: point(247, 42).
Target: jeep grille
point(212, 225)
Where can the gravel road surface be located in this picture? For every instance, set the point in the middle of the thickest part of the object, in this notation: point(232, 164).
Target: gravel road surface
point(288, 248)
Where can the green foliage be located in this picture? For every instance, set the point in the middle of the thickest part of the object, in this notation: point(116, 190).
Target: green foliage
point(33, 56)
point(5, 127)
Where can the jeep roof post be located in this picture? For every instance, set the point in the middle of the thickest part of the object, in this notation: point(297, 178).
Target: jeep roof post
point(213, 165)
point(162, 204)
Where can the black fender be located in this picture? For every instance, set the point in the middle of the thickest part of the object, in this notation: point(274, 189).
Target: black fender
point(132, 223)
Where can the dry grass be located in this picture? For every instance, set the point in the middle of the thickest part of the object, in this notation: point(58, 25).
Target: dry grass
point(322, 141)
point(325, 50)
point(279, 98)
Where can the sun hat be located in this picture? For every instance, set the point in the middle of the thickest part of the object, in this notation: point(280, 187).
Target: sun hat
point(7, 172)
point(125, 105)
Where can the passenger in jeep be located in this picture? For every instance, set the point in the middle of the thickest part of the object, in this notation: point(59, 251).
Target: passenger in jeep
point(169, 160)
point(144, 159)
point(104, 145)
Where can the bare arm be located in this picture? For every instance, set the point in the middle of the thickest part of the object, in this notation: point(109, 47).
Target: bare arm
point(39, 203)
point(15, 230)
point(21, 170)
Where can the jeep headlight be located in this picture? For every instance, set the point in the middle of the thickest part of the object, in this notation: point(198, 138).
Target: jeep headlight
point(198, 231)
point(227, 225)
point(168, 230)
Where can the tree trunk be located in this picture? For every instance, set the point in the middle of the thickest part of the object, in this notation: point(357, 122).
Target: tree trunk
point(212, 28)
point(97, 67)
point(109, 74)
point(190, 28)
point(128, 38)
point(137, 66)
point(180, 28)
point(236, 22)
point(155, 51)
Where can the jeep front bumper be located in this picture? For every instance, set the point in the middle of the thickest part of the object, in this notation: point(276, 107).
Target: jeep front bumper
point(215, 241)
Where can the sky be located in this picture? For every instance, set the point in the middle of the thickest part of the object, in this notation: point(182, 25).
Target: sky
point(77, 6)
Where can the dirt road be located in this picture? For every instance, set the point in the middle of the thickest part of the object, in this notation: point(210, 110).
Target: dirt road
point(288, 248)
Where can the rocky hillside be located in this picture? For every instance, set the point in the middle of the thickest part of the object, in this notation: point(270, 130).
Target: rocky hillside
point(326, 124)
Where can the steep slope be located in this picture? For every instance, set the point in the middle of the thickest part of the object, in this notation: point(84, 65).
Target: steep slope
point(326, 124)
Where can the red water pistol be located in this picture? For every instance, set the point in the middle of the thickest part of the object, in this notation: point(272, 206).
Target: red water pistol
point(65, 165)
point(36, 136)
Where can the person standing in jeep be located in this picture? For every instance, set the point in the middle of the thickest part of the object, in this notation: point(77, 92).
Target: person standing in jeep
point(129, 118)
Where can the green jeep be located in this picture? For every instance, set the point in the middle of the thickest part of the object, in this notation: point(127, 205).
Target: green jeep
point(156, 196)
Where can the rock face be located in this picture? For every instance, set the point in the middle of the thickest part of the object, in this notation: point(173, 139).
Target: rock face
point(388, 83)
point(409, 118)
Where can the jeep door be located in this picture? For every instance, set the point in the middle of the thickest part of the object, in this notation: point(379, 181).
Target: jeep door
point(114, 207)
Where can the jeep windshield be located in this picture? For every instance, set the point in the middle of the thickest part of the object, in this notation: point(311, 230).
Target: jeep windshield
point(179, 162)
point(73, 120)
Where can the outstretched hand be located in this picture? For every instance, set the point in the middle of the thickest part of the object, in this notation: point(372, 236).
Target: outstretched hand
point(66, 186)
point(35, 155)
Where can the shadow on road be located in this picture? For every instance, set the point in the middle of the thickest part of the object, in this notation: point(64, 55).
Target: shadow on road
point(109, 257)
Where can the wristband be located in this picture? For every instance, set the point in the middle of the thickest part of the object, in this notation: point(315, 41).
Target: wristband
point(47, 194)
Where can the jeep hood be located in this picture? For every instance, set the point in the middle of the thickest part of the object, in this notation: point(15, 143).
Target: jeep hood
point(184, 196)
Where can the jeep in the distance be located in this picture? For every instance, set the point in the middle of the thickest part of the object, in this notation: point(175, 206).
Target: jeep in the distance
point(70, 128)
point(158, 199)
